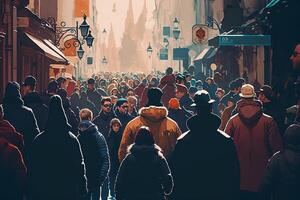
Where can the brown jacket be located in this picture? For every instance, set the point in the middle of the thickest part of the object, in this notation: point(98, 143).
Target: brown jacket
point(256, 137)
point(165, 131)
point(225, 117)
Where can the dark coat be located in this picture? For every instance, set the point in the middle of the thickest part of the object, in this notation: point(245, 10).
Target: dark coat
point(56, 169)
point(86, 103)
point(22, 118)
point(143, 175)
point(71, 116)
point(12, 172)
point(168, 87)
point(103, 122)
point(185, 102)
point(40, 110)
point(124, 119)
point(94, 97)
point(95, 153)
point(275, 110)
point(205, 163)
point(282, 177)
point(180, 116)
point(114, 141)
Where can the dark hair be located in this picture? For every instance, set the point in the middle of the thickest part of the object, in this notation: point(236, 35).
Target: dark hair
point(144, 136)
point(105, 99)
point(169, 70)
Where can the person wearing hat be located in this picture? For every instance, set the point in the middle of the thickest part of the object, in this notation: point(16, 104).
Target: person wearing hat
point(19, 116)
point(121, 110)
point(165, 131)
point(271, 107)
point(178, 114)
point(182, 94)
point(282, 177)
point(33, 100)
point(205, 163)
point(93, 94)
point(56, 169)
point(256, 137)
point(144, 173)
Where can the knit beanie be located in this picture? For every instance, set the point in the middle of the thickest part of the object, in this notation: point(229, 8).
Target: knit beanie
point(174, 103)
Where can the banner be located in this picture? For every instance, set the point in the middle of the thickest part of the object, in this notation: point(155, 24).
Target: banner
point(82, 7)
point(68, 48)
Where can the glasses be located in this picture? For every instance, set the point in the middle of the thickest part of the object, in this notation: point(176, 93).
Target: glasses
point(295, 53)
point(107, 105)
point(124, 107)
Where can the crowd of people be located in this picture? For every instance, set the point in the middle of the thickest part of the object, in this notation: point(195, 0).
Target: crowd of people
point(149, 137)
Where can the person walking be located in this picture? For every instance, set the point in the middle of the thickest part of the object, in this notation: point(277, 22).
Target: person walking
point(144, 174)
point(121, 110)
point(165, 130)
point(205, 163)
point(56, 169)
point(95, 153)
point(282, 178)
point(256, 137)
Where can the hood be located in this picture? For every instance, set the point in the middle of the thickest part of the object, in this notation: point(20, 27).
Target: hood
point(249, 111)
point(203, 123)
point(12, 94)
point(32, 97)
point(86, 127)
point(144, 151)
point(168, 80)
point(154, 113)
point(6, 127)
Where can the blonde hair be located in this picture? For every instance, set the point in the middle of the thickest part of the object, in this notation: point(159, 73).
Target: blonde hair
point(85, 114)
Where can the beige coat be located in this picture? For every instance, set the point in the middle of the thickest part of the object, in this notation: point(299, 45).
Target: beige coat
point(165, 131)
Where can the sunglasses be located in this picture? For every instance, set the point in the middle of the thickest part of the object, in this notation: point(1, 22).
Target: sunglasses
point(107, 105)
point(124, 106)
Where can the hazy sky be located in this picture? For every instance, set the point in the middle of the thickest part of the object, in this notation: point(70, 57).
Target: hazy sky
point(106, 16)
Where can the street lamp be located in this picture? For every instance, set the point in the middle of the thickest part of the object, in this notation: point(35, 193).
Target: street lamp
point(176, 22)
point(104, 60)
point(84, 27)
point(80, 52)
point(89, 39)
point(149, 50)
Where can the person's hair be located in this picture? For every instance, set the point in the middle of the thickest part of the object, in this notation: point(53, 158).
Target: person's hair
point(1, 112)
point(221, 91)
point(169, 70)
point(105, 99)
point(85, 114)
point(132, 98)
point(115, 121)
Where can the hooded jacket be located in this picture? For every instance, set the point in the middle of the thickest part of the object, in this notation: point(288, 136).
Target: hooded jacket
point(282, 178)
point(8, 132)
point(95, 153)
point(143, 175)
point(256, 137)
point(40, 110)
point(12, 172)
point(167, 85)
point(205, 162)
point(165, 131)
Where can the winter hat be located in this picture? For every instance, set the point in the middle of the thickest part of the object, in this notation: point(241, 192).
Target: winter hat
point(182, 88)
point(56, 116)
point(12, 93)
point(154, 96)
point(91, 81)
point(292, 137)
point(247, 91)
point(174, 103)
point(121, 101)
point(267, 91)
point(144, 137)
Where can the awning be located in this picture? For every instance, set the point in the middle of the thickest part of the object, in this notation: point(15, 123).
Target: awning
point(49, 52)
point(54, 48)
point(207, 54)
point(202, 54)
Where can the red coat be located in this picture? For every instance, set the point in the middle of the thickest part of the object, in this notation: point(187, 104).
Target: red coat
point(256, 137)
point(8, 132)
point(167, 84)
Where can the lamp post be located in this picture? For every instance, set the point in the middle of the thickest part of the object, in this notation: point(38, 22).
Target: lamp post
point(176, 34)
point(149, 52)
point(63, 31)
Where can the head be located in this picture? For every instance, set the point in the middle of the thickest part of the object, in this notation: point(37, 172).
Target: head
point(169, 71)
point(239, 84)
point(114, 99)
point(247, 92)
point(181, 90)
point(192, 91)
point(106, 104)
point(122, 106)
point(52, 87)
point(174, 104)
point(220, 93)
point(130, 92)
point(132, 102)
point(29, 85)
point(62, 82)
point(188, 77)
point(154, 96)
point(209, 80)
point(233, 87)
point(144, 137)
point(265, 94)
point(202, 102)
point(154, 82)
point(295, 58)
point(85, 115)
point(179, 79)
point(114, 92)
point(199, 85)
point(91, 84)
point(230, 102)
point(115, 125)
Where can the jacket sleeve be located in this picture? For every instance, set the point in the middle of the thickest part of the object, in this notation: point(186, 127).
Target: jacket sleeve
point(105, 161)
point(127, 140)
point(166, 177)
point(229, 128)
point(274, 138)
point(79, 169)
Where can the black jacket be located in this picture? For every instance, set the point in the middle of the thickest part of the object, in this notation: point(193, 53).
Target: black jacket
point(180, 116)
point(40, 110)
point(143, 175)
point(114, 140)
point(56, 169)
point(103, 122)
point(95, 153)
point(71, 116)
point(205, 163)
point(94, 97)
point(124, 119)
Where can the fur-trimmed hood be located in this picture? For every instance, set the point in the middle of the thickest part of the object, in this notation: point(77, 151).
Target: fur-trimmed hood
point(154, 113)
